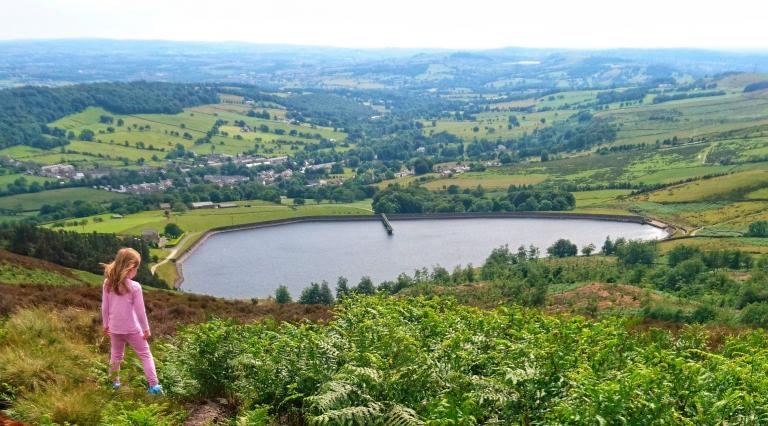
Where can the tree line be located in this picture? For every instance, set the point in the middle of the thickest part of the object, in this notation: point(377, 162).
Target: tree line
point(26, 111)
point(416, 199)
point(73, 250)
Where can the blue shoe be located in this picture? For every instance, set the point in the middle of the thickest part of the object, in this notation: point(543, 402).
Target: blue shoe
point(116, 386)
point(156, 390)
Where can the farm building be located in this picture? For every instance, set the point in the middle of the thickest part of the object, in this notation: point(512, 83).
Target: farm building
point(58, 171)
point(165, 206)
point(203, 205)
point(150, 236)
point(223, 180)
point(227, 205)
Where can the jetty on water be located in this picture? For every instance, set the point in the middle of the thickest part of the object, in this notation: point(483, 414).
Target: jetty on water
point(387, 225)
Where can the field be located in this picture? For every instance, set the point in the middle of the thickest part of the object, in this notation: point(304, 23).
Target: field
point(31, 202)
point(8, 179)
point(486, 180)
point(147, 138)
point(196, 221)
point(492, 125)
point(730, 187)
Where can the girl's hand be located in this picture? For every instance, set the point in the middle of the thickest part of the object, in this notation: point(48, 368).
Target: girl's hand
point(147, 334)
point(106, 331)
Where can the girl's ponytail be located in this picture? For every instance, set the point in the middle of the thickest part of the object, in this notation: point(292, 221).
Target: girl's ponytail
point(117, 271)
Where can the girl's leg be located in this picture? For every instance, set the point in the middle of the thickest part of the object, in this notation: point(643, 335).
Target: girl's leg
point(141, 347)
point(117, 349)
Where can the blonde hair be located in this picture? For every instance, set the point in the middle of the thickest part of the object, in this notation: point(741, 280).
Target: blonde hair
point(117, 271)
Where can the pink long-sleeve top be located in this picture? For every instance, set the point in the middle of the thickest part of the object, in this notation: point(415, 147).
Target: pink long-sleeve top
point(124, 313)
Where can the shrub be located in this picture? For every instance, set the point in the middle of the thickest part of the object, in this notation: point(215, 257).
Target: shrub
point(562, 248)
point(636, 252)
point(758, 229)
point(755, 314)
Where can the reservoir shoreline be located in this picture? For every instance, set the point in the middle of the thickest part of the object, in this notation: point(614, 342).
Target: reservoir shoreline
point(178, 262)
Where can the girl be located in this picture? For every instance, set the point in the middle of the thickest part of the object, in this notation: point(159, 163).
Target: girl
point(124, 316)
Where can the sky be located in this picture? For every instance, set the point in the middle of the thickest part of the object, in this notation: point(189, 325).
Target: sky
point(475, 24)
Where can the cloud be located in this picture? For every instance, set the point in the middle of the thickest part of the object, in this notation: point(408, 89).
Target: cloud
point(400, 23)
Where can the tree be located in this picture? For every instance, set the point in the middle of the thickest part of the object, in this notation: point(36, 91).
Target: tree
point(422, 166)
point(173, 230)
point(562, 248)
point(316, 294)
point(282, 295)
point(636, 252)
point(588, 249)
point(86, 135)
point(342, 288)
point(758, 229)
point(179, 207)
point(608, 247)
point(325, 297)
point(365, 286)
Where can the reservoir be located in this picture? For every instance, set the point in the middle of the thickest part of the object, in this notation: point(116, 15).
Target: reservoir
point(254, 262)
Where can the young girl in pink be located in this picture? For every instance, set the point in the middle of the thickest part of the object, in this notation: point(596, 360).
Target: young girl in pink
point(124, 316)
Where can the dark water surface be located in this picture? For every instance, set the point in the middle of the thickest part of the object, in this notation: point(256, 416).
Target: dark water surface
point(254, 262)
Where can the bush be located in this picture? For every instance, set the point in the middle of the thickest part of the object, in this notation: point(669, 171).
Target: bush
point(636, 252)
point(173, 230)
point(562, 248)
point(134, 413)
point(755, 315)
point(758, 229)
point(413, 361)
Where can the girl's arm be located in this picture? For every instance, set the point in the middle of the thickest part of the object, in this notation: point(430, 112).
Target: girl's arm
point(139, 310)
point(105, 307)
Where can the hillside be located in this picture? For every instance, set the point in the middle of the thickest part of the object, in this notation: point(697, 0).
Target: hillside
point(640, 332)
point(407, 358)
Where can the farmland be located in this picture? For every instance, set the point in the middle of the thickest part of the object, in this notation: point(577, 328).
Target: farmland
point(32, 202)
point(353, 363)
point(146, 138)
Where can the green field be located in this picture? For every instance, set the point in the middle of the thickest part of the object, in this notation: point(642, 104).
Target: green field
point(196, 221)
point(33, 201)
point(729, 187)
point(486, 180)
point(7, 179)
point(492, 125)
point(148, 138)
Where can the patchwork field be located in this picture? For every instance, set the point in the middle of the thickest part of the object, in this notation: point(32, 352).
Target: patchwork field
point(730, 187)
point(486, 180)
point(147, 138)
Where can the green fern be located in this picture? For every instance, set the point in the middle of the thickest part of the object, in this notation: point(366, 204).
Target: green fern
point(363, 415)
point(399, 415)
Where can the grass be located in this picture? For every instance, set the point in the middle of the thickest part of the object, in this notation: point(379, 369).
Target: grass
point(730, 187)
point(492, 125)
point(120, 146)
point(33, 201)
point(196, 221)
point(487, 180)
point(10, 178)
point(16, 269)
point(598, 198)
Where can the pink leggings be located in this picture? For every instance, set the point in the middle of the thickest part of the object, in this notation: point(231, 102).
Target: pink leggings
point(140, 346)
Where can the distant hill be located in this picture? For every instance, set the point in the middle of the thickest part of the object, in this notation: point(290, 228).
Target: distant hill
point(27, 62)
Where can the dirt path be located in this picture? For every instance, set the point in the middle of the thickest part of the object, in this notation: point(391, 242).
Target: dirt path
point(208, 413)
point(172, 254)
